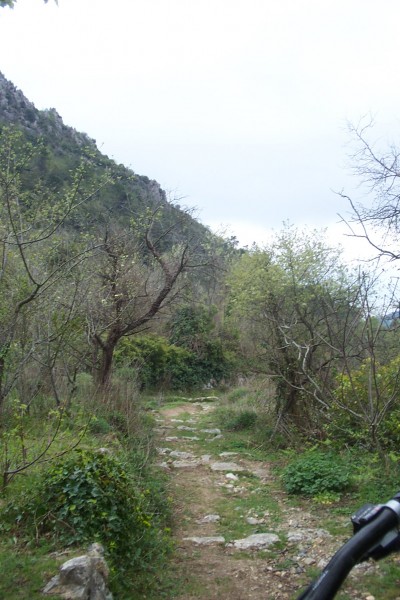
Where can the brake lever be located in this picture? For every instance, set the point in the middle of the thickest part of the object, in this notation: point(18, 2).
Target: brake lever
point(390, 542)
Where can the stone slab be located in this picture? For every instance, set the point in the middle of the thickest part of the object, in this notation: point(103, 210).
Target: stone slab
point(206, 541)
point(226, 466)
point(257, 541)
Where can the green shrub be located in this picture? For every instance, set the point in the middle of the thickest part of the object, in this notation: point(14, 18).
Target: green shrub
point(89, 497)
point(119, 422)
point(158, 363)
point(99, 425)
point(315, 473)
point(241, 420)
point(237, 394)
point(366, 412)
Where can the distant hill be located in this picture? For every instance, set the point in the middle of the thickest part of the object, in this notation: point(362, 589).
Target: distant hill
point(63, 149)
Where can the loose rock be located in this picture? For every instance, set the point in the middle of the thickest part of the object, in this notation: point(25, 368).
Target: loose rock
point(179, 454)
point(254, 521)
point(206, 541)
point(226, 466)
point(299, 535)
point(257, 541)
point(210, 519)
point(185, 464)
point(82, 578)
point(213, 431)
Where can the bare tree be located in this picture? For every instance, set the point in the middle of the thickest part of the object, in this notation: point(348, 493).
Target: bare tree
point(138, 276)
point(38, 255)
point(378, 170)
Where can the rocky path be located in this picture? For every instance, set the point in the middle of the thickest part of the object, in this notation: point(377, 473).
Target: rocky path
point(237, 537)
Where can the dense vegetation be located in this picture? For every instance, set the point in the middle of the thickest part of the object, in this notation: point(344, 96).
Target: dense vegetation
point(109, 292)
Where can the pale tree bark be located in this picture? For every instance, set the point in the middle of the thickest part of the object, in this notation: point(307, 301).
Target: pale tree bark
point(138, 281)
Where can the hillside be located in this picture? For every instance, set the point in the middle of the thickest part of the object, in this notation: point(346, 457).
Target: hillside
point(64, 146)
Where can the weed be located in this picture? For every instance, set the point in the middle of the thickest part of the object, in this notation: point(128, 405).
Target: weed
point(24, 572)
point(316, 473)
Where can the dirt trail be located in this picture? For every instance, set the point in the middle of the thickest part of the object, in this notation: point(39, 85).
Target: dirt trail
point(219, 503)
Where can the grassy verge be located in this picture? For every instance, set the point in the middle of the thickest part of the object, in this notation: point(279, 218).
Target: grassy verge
point(369, 478)
point(43, 509)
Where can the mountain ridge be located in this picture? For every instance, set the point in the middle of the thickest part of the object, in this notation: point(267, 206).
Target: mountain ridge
point(67, 145)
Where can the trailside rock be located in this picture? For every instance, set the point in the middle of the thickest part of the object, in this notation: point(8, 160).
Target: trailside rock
point(254, 521)
point(306, 534)
point(213, 431)
point(82, 578)
point(180, 454)
point(226, 466)
point(257, 541)
point(185, 464)
point(209, 519)
point(205, 541)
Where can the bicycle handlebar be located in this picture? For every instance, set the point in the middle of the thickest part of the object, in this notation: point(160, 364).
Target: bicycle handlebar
point(376, 535)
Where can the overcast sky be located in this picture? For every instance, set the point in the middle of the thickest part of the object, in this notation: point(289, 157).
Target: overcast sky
point(239, 107)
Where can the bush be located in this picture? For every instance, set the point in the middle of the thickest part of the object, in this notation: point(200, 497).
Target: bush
point(316, 473)
point(241, 420)
point(366, 411)
point(238, 394)
point(160, 364)
point(89, 497)
point(99, 425)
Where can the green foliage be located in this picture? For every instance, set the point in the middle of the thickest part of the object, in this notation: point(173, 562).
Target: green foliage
point(366, 410)
point(99, 425)
point(293, 301)
point(237, 394)
point(237, 420)
point(193, 328)
point(164, 365)
point(316, 473)
point(24, 571)
point(92, 496)
point(158, 363)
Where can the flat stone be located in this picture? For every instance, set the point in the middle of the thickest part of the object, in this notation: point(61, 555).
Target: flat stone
point(226, 454)
point(206, 541)
point(210, 519)
point(226, 466)
point(213, 431)
point(205, 458)
point(162, 465)
point(163, 451)
point(299, 535)
point(186, 428)
point(189, 438)
point(254, 521)
point(171, 439)
point(261, 472)
point(185, 464)
point(179, 454)
point(232, 476)
point(257, 541)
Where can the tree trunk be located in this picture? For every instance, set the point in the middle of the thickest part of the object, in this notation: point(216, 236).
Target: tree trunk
point(107, 348)
point(2, 367)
